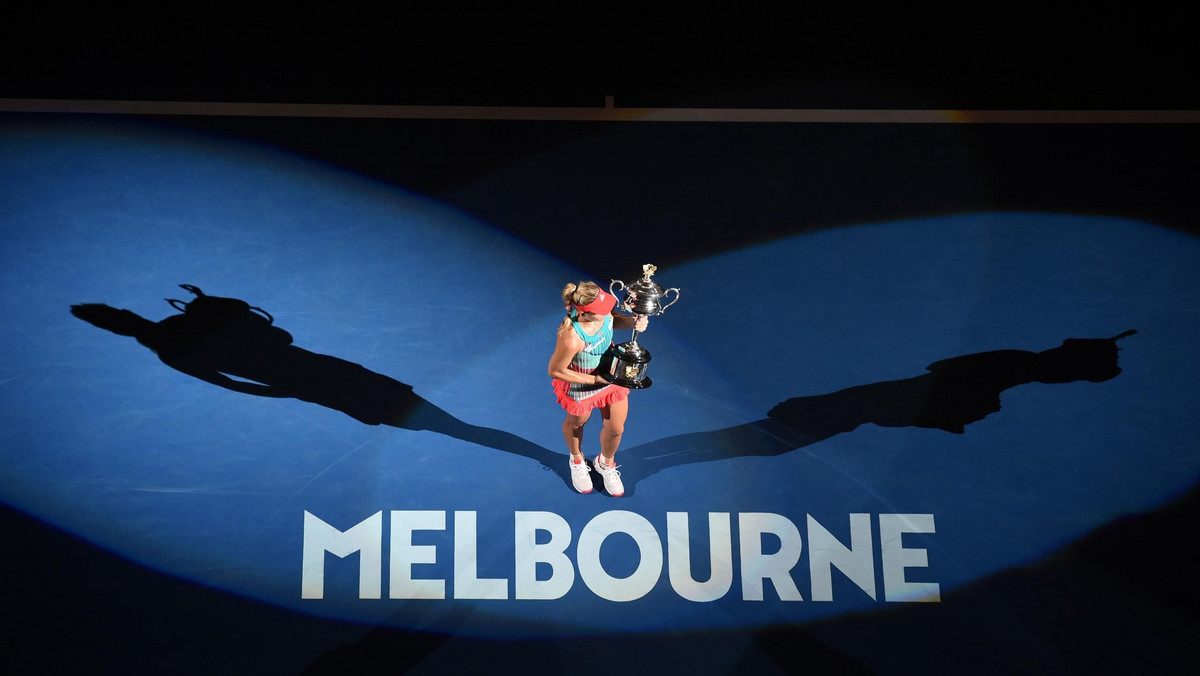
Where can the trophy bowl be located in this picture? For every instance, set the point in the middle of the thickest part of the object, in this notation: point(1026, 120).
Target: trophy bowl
point(626, 364)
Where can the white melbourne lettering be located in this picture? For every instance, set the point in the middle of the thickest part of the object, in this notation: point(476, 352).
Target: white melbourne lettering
point(545, 566)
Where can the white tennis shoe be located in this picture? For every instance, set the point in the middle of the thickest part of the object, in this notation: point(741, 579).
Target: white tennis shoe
point(612, 478)
point(581, 476)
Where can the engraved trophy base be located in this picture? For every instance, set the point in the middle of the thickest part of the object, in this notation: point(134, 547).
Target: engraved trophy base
point(625, 365)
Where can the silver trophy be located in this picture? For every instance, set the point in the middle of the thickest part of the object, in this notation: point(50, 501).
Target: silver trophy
point(626, 364)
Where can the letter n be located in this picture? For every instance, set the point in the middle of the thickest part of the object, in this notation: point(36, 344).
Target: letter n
point(856, 562)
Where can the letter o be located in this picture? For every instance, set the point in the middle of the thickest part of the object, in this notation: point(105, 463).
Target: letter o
point(650, 559)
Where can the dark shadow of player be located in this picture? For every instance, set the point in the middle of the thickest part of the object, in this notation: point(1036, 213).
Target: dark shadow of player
point(227, 342)
point(953, 394)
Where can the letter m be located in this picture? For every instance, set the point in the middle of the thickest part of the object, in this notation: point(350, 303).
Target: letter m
point(366, 538)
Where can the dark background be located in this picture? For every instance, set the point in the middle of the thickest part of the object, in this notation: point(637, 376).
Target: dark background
point(1067, 55)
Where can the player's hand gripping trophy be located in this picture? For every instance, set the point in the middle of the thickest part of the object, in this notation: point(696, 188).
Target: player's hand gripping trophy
point(626, 364)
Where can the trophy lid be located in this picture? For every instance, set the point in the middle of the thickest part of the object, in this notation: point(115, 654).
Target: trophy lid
point(642, 297)
point(644, 287)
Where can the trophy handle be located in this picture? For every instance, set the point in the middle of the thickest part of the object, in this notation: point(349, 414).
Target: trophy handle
point(620, 286)
point(664, 307)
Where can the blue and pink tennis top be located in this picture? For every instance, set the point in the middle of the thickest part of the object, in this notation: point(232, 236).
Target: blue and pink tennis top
point(579, 399)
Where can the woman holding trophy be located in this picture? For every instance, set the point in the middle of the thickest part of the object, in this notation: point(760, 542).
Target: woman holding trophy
point(583, 337)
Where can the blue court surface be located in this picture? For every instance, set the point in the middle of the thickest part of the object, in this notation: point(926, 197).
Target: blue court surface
point(911, 413)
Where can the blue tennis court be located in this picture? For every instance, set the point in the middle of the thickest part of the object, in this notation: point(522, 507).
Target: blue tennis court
point(896, 423)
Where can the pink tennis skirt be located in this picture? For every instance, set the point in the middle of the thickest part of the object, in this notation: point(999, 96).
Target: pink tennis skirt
point(588, 399)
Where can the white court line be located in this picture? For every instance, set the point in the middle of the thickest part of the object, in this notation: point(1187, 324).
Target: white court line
point(607, 113)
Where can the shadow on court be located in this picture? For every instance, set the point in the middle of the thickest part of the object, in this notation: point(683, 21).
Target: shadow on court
point(953, 393)
point(228, 342)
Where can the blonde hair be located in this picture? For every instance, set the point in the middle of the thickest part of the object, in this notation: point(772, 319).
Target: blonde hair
point(577, 294)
